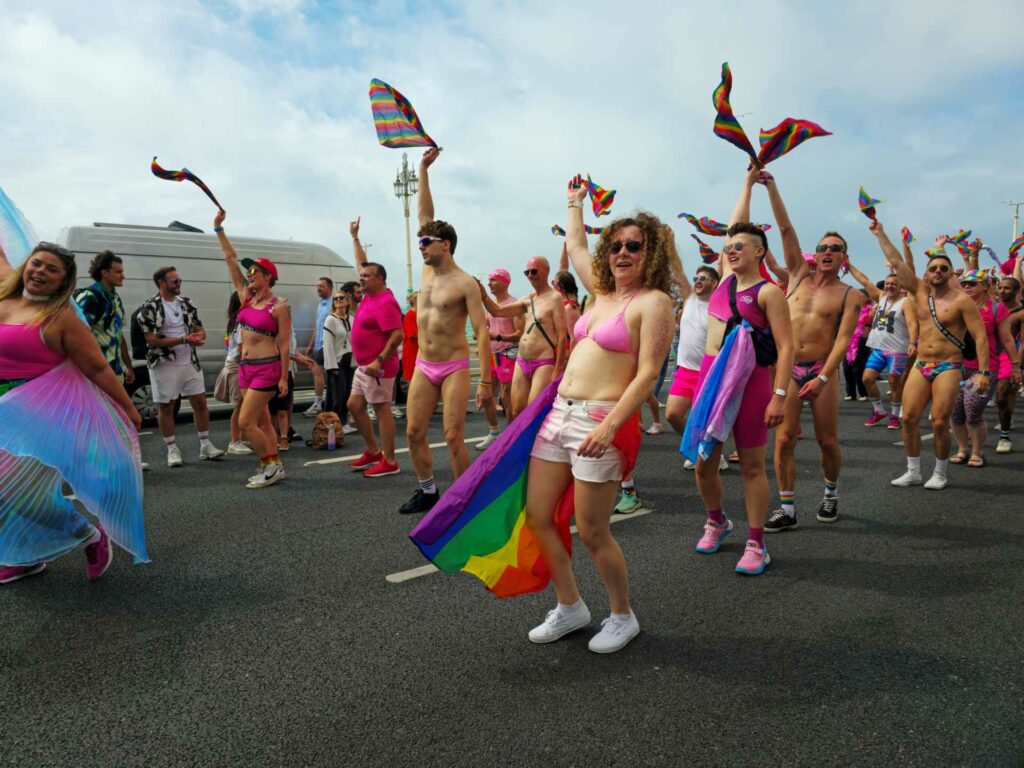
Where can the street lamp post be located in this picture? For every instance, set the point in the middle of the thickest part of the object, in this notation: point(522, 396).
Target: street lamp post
point(1016, 214)
point(405, 187)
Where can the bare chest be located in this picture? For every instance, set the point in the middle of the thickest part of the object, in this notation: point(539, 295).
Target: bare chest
point(816, 310)
point(439, 295)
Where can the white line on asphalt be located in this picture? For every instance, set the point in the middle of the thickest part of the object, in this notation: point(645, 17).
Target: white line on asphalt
point(924, 438)
point(397, 451)
point(425, 570)
point(143, 434)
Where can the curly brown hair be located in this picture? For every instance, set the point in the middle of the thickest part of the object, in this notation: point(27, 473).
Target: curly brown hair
point(657, 273)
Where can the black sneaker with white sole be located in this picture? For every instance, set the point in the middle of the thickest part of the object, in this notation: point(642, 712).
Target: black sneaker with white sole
point(828, 512)
point(420, 502)
point(779, 521)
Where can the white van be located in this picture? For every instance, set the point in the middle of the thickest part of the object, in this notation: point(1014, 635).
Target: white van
point(198, 258)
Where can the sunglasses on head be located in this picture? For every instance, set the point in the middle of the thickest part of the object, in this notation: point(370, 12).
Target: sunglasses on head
point(56, 250)
point(832, 248)
point(426, 240)
point(633, 246)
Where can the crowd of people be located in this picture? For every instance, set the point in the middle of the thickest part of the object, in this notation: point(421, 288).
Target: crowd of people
point(754, 342)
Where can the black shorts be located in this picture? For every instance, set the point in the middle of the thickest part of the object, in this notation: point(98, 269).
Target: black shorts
point(318, 356)
point(278, 403)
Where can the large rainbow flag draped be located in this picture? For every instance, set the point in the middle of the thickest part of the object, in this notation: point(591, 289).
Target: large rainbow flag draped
point(601, 199)
point(396, 121)
point(183, 175)
point(705, 225)
point(17, 237)
point(479, 525)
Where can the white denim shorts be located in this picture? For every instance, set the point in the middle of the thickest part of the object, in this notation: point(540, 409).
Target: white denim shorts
point(564, 429)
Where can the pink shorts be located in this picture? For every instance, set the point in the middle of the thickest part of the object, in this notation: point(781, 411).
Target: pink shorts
point(261, 375)
point(503, 368)
point(1005, 366)
point(684, 383)
point(375, 391)
point(564, 429)
point(749, 431)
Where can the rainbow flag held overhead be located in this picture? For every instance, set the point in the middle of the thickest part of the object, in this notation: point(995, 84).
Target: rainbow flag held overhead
point(557, 230)
point(867, 204)
point(907, 236)
point(479, 525)
point(1016, 245)
point(601, 199)
point(707, 254)
point(726, 125)
point(785, 136)
point(394, 118)
point(183, 175)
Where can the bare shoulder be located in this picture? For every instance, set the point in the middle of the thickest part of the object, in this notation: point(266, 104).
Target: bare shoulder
point(655, 301)
point(282, 305)
point(769, 292)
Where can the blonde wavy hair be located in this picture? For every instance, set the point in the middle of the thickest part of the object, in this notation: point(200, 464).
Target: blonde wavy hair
point(659, 250)
point(13, 286)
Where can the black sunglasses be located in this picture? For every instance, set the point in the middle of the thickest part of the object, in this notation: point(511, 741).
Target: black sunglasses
point(968, 283)
point(176, 281)
point(56, 250)
point(632, 246)
point(939, 268)
point(833, 248)
point(531, 272)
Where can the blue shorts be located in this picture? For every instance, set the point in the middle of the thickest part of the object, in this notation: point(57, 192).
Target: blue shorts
point(892, 363)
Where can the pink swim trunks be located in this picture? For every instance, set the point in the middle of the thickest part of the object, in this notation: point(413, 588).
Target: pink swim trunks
point(530, 367)
point(436, 373)
point(684, 383)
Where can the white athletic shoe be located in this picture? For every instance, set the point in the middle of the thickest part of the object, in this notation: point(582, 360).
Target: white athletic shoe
point(689, 465)
point(348, 429)
point(270, 475)
point(1004, 446)
point(373, 415)
point(239, 449)
point(723, 464)
point(614, 634)
point(174, 456)
point(560, 623)
point(656, 428)
point(908, 478)
point(936, 482)
point(312, 411)
point(397, 413)
point(211, 452)
point(491, 437)
point(145, 467)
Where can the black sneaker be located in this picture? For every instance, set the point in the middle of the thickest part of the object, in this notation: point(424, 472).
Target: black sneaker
point(779, 521)
point(293, 437)
point(828, 512)
point(420, 502)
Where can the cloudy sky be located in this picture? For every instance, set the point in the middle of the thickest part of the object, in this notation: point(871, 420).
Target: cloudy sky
point(267, 101)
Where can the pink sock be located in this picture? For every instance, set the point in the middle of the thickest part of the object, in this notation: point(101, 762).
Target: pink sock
point(756, 534)
point(716, 516)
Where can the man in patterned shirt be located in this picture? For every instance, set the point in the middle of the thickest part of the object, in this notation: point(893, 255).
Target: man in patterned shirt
point(104, 312)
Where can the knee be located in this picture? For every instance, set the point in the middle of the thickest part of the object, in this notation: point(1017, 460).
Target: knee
point(785, 439)
point(355, 405)
point(593, 538)
point(453, 436)
point(829, 445)
point(939, 421)
point(706, 470)
point(751, 471)
point(415, 434)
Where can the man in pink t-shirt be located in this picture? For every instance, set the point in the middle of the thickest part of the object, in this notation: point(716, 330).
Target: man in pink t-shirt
point(376, 336)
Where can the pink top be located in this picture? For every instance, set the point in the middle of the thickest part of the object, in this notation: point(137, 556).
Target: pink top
point(260, 320)
point(746, 304)
point(503, 326)
point(991, 326)
point(376, 317)
point(24, 354)
point(613, 335)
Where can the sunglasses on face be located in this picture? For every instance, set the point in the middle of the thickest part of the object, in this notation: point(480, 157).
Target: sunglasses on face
point(632, 246)
point(734, 247)
point(939, 268)
point(830, 248)
point(176, 281)
point(426, 240)
point(531, 272)
point(700, 278)
point(340, 298)
point(968, 284)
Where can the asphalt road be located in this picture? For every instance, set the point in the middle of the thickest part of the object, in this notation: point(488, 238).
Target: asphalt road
point(265, 631)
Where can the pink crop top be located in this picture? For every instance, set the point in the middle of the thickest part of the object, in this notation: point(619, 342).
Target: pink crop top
point(612, 335)
point(260, 320)
point(24, 354)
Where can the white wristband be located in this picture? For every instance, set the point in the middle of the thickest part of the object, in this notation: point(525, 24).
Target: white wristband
point(780, 392)
point(823, 377)
point(575, 204)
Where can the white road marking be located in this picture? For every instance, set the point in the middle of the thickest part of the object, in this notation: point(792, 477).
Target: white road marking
point(143, 434)
point(355, 456)
point(924, 438)
point(425, 570)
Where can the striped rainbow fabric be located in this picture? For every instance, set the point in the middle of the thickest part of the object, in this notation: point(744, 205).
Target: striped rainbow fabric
point(601, 199)
point(707, 254)
point(1016, 245)
point(726, 125)
point(394, 118)
point(867, 203)
point(183, 175)
point(479, 525)
point(786, 136)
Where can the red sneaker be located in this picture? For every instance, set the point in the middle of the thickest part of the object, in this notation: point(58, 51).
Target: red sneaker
point(876, 418)
point(9, 573)
point(894, 423)
point(382, 468)
point(98, 556)
point(366, 461)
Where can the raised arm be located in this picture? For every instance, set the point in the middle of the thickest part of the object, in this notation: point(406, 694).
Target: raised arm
point(777, 269)
point(906, 275)
point(477, 319)
point(873, 293)
point(514, 309)
point(908, 255)
point(563, 260)
point(971, 257)
point(575, 236)
point(424, 200)
point(358, 252)
point(230, 257)
point(791, 252)
point(1018, 270)
point(741, 211)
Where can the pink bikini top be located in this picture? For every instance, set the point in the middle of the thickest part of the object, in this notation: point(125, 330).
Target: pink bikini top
point(24, 354)
point(613, 335)
point(260, 320)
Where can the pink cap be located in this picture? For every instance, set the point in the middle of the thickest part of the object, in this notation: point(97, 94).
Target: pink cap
point(501, 274)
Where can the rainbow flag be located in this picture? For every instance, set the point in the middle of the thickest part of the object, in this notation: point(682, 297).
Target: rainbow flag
point(394, 118)
point(557, 230)
point(960, 237)
point(707, 254)
point(601, 199)
point(1016, 245)
point(705, 225)
point(726, 125)
point(907, 236)
point(479, 525)
point(785, 136)
point(183, 175)
point(867, 204)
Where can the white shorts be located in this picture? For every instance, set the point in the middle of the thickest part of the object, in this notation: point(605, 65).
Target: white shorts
point(169, 382)
point(565, 428)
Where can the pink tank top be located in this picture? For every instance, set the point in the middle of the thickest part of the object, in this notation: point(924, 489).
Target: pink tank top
point(260, 320)
point(613, 335)
point(746, 304)
point(24, 354)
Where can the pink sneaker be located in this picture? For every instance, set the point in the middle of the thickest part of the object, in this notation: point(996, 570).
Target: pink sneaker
point(382, 468)
point(98, 556)
point(894, 423)
point(876, 419)
point(366, 461)
point(754, 559)
point(9, 573)
point(713, 535)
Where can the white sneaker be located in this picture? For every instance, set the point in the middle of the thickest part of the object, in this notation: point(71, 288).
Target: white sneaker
point(239, 449)
point(373, 415)
point(936, 482)
point(690, 465)
point(211, 452)
point(1004, 446)
point(397, 413)
point(491, 437)
point(312, 411)
point(559, 623)
point(723, 463)
point(656, 428)
point(145, 467)
point(908, 478)
point(174, 456)
point(348, 429)
point(270, 475)
point(614, 634)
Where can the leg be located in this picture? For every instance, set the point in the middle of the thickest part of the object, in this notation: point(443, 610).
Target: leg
point(506, 400)
point(541, 378)
point(944, 391)
point(786, 436)
point(236, 432)
point(357, 407)
point(419, 407)
point(676, 411)
point(756, 491)
point(825, 411)
point(254, 420)
point(455, 394)
point(520, 394)
point(655, 406)
point(870, 380)
point(386, 425)
point(200, 412)
point(318, 382)
point(709, 483)
point(546, 482)
point(594, 502)
point(916, 394)
point(849, 377)
point(165, 418)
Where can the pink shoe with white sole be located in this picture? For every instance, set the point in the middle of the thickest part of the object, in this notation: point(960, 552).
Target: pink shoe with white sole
point(98, 556)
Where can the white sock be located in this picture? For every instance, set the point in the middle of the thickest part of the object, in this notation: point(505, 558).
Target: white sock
point(169, 441)
point(318, 401)
point(914, 464)
point(628, 485)
point(896, 409)
point(940, 466)
point(622, 616)
point(204, 439)
point(428, 485)
point(879, 408)
point(563, 608)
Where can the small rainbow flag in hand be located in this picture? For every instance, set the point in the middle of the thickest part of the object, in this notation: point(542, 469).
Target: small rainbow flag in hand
point(557, 230)
point(707, 254)
point(935, 252)
point(183, 175)
point(785, 136)
point(726, 125)
point(1016, 245)
point(601, 199)
point(705, 225)
point(867, 204)
point(960, 237)
point(394, 118)
point(907, 236)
